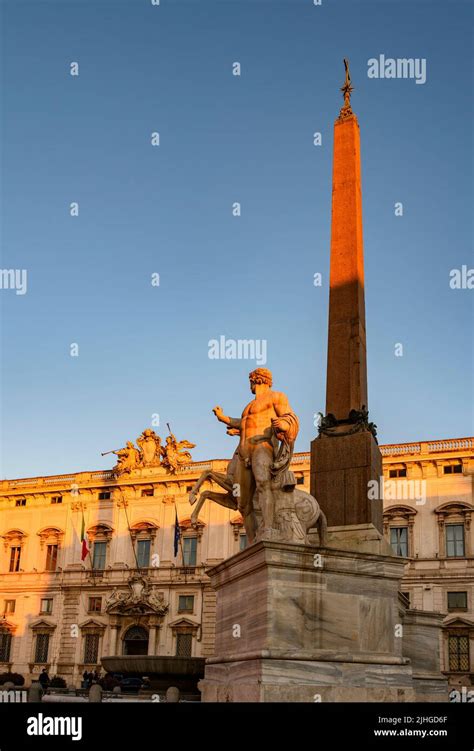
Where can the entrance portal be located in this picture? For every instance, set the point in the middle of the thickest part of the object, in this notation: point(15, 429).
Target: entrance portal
point(135, 641)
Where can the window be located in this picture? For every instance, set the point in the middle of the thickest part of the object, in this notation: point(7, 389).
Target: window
point(20, 502)
point(42, 648)
point(51, 557)
point(452, 469)
point(9, 606)
point(135, 641)
point(104, 495)
point(147, 492)
point(143, 553)
point(99, 555)
point(15, 555)
point(5, 646)
point(399, 540)
point(95, 604)
point(184, 645)
point(189, 488)
point(457, 600)
point(91, 649)
point(243, 541)
point(458, 647)
point(189, 551)
point(407, 595)
point(186, 603)
point(46, 605)
point(402, 472)
point(454, 540)
point(56, 499)
point(300, 480)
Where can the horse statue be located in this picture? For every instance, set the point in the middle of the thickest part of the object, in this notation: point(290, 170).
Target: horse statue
point(307, 509)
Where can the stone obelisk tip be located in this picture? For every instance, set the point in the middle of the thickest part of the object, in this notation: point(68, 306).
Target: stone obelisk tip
point(347, 89)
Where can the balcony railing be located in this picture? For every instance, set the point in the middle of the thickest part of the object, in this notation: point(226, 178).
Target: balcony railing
point(429, 447)
point(301, 458)
point(401, 448)
point(98, 573)
point(110, 576)
point(452, 444)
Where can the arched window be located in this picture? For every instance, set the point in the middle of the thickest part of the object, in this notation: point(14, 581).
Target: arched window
point(143, 535)
point(5, 646)
point(454, 528)
point(398, 524)
point(13, 542)
point(135, 641)
point(100, 536)
point(6, 635)
point(190, 538)
point(240, 534)
point(50, 537)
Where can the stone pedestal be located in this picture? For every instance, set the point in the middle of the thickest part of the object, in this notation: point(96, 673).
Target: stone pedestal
point(341, 469)
point(421, 643)
point(299, 623)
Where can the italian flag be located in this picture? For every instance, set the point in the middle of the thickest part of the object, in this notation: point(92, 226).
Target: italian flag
point(85, 544)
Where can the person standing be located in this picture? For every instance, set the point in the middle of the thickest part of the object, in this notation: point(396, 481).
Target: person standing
point(44, 679)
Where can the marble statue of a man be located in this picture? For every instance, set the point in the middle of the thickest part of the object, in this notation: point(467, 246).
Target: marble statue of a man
point(268, 429)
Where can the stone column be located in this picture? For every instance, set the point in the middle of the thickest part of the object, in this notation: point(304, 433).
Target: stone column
point(467, 533)
point(114, 629)
point(153, 636)
point(441, 537)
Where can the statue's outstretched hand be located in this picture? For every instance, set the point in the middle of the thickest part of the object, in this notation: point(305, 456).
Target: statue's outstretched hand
point(218, 412)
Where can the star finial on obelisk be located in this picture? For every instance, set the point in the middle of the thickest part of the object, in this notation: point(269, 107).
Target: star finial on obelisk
point(347, 89)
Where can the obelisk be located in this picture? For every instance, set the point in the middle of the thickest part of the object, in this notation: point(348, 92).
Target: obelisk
point(345, 456)
point(327, 630)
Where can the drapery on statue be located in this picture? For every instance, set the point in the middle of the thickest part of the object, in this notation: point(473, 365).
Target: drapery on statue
point(259, 482)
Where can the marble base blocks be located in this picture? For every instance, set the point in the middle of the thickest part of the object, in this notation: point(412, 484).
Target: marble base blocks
point(301, 623)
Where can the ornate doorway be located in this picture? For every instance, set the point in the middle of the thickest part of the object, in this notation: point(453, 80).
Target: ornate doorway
point(135, 641)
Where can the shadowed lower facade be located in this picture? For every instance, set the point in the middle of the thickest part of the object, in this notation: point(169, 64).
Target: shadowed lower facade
point(65, 614)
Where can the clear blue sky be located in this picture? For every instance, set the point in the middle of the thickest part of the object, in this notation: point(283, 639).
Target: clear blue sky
point(167, 209)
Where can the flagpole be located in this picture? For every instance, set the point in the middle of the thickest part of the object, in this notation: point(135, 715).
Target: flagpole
point(84, 537)
point(130, 532)
point(176, 522)
point(182, 554)
point(89, 554)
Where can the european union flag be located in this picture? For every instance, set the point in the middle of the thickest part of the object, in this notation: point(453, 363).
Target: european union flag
point(177, 533)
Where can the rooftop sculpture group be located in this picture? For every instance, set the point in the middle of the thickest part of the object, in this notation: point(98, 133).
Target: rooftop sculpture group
point(151, 453)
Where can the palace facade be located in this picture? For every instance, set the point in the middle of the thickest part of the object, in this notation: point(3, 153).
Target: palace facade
point(132, 594)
